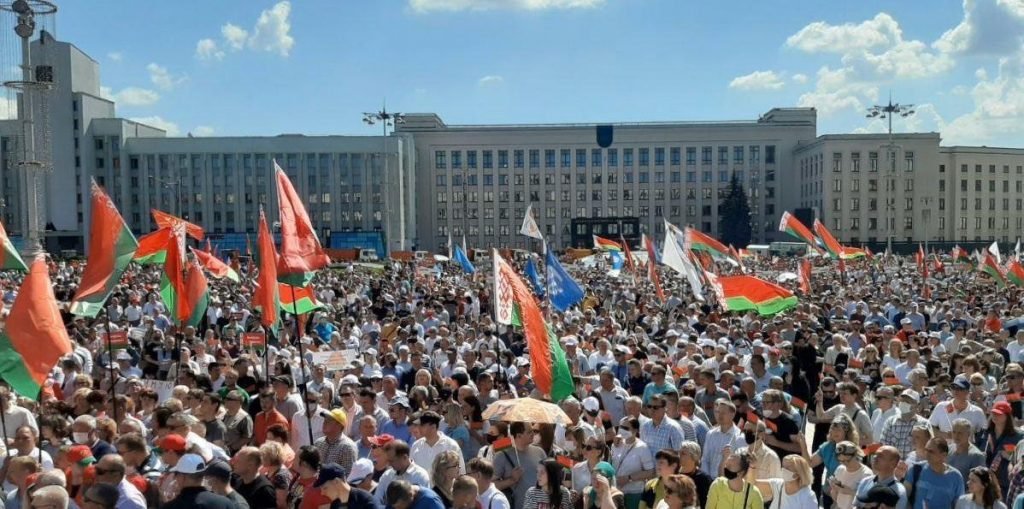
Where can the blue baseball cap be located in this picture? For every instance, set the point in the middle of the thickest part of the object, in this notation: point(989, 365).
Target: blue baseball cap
point(328, 473)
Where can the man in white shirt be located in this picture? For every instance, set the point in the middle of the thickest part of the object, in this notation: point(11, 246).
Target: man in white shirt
point(15, 416)
point(724, 437)
point(886, 408)
point(300, 428)
point(432, 443)
point(482, 470)
point(960, 407)
point(400, 467)
point(1016, 348)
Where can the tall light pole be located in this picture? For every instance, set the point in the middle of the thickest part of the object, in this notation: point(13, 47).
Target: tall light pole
point(30, 163)
point(887, 111)
point(176, 184)
point(390, 119)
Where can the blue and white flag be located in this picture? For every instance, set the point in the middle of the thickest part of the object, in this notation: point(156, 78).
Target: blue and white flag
point(460, 256)
point(618, 261)
point(531, 272)
point(564, 291)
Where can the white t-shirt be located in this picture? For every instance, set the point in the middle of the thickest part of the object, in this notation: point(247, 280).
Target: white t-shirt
point(799, 500)
point(849, 479)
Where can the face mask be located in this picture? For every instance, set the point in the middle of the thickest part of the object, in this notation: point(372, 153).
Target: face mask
point(730, 474)
point(905, 408)
point(609, 443)
point(750, 437)
point(788, 475)
point(81, 438)
point(536, 439)
point(771, 414)
point(625, 434)
point(491, 439)
point(570, 447)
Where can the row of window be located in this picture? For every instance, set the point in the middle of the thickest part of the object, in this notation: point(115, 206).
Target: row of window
point(599, 157)
point(259, 161)
point(596, 195)
point(855, 161)
point(978, 168)
point(643, 177)
point(1019, 186)
point(473, 231)
point(566, 212)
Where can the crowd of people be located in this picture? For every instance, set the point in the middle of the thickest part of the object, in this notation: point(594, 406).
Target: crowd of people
point(867, 394)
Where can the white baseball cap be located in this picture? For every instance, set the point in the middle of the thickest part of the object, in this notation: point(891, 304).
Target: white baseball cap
point(190, 464)
point(361, 469)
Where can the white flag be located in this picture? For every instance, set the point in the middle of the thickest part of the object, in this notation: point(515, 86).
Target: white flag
point(530, 228)
point(674, 257)
point(503, 298)
point(994, 249)
point(1016, 250)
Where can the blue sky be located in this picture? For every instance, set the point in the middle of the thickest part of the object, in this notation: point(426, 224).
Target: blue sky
point(236, 67)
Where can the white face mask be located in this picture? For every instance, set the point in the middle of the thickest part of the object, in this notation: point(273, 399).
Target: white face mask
point(80, 438)
point(625, 434)
point(569, 447)
point(771, 414)
point(788, 475)
point(536, 439)
point(905, 408)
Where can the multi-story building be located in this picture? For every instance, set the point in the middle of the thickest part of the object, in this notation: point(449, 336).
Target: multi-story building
point(219, 182)
point(478, 180)
point(436, 180)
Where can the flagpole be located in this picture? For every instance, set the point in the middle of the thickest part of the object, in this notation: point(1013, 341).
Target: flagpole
point(110, 365)
point(302, 365)
point(3, 421)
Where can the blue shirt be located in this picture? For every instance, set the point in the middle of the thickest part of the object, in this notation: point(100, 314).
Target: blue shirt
point(653, 388)
point(936, 489)
point(324, 330)
point(426, 499)
point(827, 451)
point(399, 431)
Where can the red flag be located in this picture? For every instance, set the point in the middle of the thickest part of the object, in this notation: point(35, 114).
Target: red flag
point(804, 270)
point(34, 338)
point(172, 284)
point(629, 256)
point(652, 268)
point(831, 244)
point(218, 268)
point(165, 220)
point(938, 265)
point(266, 296)
point(111, 247)
point(871, 448)
point(209, 248)
point(301, 254)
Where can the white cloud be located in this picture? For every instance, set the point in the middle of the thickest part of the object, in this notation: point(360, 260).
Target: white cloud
point(424, 6)
point(270, 33)
point(758, 80)
point(271, 30)
point(106, 93)
point(160, 77)
point(998, 114)
point(115, 56)
point(234, 35)
point(875, 46)
point(491, 80)
point(132, 96)
point(989, 27)
point(207, 49)
point(837, 90)
point(799, 78)
point(202, 130)
point(160, 123)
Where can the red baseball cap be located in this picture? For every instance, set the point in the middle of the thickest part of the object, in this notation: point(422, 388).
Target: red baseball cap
point(1002, 408)
point(81, 455)
point(172, 442)
point(381, 440)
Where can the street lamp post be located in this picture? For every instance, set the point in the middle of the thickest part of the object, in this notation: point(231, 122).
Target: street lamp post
point(887, 111)
point(390, 119)
point(176, 184)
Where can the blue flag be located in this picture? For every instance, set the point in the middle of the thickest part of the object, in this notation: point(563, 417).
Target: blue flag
point(565, 293)
point(531, 272)
point(460, 256)
point(617, 260)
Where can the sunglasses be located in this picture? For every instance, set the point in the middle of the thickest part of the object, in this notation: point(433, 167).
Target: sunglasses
point(655, 407)
point(591, 448)
point(346, 394)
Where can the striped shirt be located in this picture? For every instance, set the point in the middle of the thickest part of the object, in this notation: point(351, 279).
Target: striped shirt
point(667, 435)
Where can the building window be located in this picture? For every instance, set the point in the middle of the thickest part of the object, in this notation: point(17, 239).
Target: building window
point(659, 156)
point(873, 161)
point(908, 160)
point(627, 157)
point(723, 155)
point(737, 155)
point(837, 185)
point(442, 180)
point(581, 157)
point(676, 155)
point(837, 162)
point(518, 158)
point(645, 157)
point(488, 159)
point(691, 156)
point(471, 159)
point(535, 158)
point(549, 158)
point(566, 158)
point(595, 158)
point(502, 159)
point(769, 154)
point(705, 155)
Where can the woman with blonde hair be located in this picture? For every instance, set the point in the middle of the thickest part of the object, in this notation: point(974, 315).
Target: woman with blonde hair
point(442, 475)
point(793, 490)
point(457, 429)
point(680, 493)
point(272, 461)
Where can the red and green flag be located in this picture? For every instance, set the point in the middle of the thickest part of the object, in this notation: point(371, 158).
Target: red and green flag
point(34, 338)
point(549, 368)
point(791, 225)
point(834, 248)
point(266, 297)
point(298, 300)
point(960, 255)
point(152, 248)
point(172, 281)
point(111, 248)
point(301, 254)
point(603, 244)
point(1015, 273)
point(165, 220)
point(502, 444)
point(742, 292)
point(197, 295)
point(991, 267)
point(215, 266)
point(9, 257)
point(696, 240)
point(565, 461)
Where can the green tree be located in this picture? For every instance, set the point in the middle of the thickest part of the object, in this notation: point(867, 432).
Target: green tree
point(734, 216)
